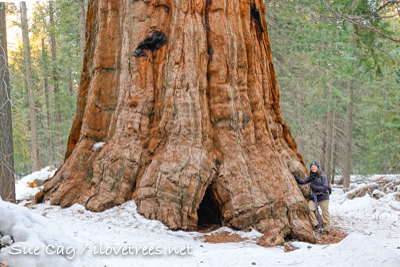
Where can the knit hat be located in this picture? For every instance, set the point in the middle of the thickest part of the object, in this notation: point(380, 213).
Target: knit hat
point(314, 163)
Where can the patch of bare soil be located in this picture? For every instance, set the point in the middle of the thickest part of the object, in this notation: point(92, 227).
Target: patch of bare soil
point(222, 237)
point(30, 205)
point(335, 236)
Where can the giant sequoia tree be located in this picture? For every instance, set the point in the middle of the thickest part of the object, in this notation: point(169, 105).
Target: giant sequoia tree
point(178, 104)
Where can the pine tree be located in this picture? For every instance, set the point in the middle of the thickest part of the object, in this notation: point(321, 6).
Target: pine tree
point(30, 89)
point(7, 181)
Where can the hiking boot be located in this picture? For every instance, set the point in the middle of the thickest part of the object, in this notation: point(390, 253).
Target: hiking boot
point(325, 232)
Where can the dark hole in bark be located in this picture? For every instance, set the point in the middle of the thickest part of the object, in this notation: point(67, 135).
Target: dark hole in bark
point(255, 14)
point(208, 3)
point(207, 25)
point(208, 214)
point(288, 238)
point(210, 50)
point(153, 43)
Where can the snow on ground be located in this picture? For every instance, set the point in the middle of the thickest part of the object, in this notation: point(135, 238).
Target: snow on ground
point(373, 240)
point(24, 191)
point(377, 219)
point(35, 233)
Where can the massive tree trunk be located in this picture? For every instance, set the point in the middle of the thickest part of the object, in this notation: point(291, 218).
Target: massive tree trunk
point(31, 94)
point(7, 182)
point(183, 94)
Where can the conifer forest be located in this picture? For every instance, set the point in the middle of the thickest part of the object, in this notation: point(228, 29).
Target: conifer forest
point(337, 65)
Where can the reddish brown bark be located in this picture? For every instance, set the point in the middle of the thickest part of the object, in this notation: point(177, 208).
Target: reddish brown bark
point(200, 111)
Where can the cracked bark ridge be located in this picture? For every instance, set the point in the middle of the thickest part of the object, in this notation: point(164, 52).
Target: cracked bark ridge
point(199, 112)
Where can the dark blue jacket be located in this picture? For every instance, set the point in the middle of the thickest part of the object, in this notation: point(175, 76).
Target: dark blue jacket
point(319, 185)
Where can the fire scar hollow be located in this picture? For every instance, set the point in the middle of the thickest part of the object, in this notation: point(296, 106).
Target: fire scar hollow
point(208, 214)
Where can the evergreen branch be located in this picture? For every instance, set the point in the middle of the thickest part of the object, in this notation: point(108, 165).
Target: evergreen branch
point(381, 17)
point(388, 3)
point(360, 25)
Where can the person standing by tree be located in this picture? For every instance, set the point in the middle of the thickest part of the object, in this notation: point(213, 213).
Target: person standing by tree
point(320, 187)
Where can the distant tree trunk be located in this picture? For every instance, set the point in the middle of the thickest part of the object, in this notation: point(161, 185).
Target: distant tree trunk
point(349, 133)
point(183, 94)
point(31, 94)
point(335, 148)
point(82, 25)
point(385, 164)
point(321, 134)
point(60, 145)
point(328, 143)
point(7, 182)
point(47, 95)
point(70, 83)
point(322, 151)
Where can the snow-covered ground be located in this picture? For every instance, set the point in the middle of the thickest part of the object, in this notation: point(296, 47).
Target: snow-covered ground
point(122, 237)
point(24, 191)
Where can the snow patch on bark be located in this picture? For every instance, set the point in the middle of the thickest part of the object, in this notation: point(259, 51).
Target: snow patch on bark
point(97, 146)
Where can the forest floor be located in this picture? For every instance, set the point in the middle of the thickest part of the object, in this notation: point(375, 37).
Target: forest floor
point(365, 232)
point(336, 234)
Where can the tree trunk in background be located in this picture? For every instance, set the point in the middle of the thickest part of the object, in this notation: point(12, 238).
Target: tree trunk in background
point(385, 166)
point(47, 95)
point(323, 122)
point(31, 94)
point(82, 25)
point(60, 147)
point(349, 133)
point(7, 181)
point(322, 154)
point(70, 83)
point(328, 143)
point(183, 94)
point(335, 144)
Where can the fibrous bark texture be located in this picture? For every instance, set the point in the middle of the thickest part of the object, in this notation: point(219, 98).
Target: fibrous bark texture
point(183, 94)
point(7, 181)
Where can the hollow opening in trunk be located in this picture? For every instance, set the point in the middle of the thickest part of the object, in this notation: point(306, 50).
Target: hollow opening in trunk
point(208, 214)
point(288, 238)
